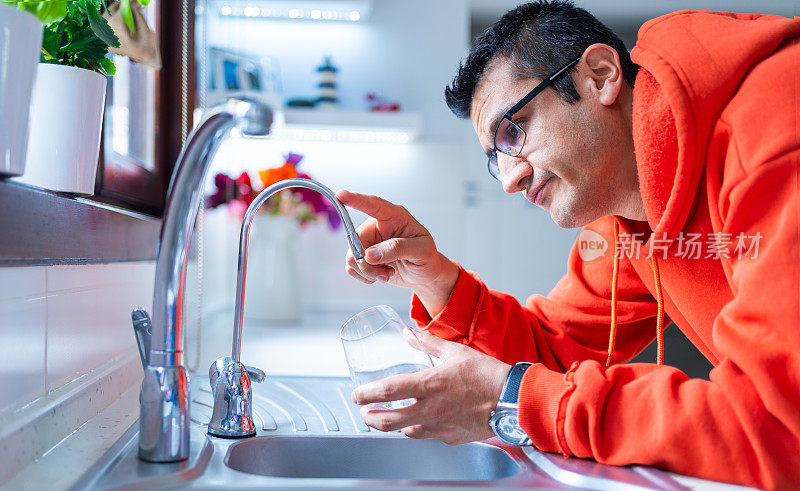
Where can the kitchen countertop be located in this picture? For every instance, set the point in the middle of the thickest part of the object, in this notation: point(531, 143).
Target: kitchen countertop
point(311, 348)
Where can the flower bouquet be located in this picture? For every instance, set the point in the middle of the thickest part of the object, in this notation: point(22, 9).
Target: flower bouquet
point(304, 205)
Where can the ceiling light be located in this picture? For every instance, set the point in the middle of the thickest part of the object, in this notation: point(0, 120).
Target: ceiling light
point(330, 10)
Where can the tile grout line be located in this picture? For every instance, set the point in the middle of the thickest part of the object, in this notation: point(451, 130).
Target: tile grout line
point(46, 324)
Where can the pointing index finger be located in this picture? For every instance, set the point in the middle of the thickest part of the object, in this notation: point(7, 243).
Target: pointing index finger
point(371, 205)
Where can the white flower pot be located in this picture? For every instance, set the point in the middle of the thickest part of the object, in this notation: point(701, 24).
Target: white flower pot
point(20, 44)
point(272, 293)
point(66, 121)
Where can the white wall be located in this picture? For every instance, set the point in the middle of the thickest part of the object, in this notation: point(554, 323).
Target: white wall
point(409, 50)
point(61, 322)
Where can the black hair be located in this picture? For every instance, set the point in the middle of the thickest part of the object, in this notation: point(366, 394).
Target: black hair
point(537, 38)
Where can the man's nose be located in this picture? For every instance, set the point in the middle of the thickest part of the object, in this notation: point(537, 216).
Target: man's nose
point(515, 172)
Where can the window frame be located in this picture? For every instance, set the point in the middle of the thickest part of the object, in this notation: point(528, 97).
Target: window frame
point(122, 181)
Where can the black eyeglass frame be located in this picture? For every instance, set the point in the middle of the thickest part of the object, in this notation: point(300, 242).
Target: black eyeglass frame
point(492, 164)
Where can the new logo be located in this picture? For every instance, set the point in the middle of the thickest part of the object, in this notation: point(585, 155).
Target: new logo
point(591, 245)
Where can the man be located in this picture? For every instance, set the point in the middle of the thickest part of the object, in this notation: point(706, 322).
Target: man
point(692, 139)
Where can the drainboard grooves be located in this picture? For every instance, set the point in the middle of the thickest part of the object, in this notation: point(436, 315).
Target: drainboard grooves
point(352, 411)
point(294, 417)
point(268, 422)
point(204, 398)
point(205, 411)
point(322, 411)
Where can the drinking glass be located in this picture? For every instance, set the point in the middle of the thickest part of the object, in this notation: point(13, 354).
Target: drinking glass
point(375, 348)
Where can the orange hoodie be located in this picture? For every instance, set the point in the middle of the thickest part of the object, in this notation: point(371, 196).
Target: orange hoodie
point(716, 122)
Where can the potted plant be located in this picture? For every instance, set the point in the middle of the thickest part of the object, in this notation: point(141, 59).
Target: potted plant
point(69, 94)
point(20, 39)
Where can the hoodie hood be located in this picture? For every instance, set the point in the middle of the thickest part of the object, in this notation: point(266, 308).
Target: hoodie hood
point(680, 93)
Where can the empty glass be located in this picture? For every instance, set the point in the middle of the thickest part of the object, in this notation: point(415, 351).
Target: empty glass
point(376, 348)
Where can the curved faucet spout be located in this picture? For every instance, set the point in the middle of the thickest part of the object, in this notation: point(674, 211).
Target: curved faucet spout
point(352, 239)
point(183, 203)
point(164, 397)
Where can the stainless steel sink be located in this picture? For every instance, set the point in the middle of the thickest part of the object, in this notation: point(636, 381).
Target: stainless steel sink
point(370, 458)
point(311, 436)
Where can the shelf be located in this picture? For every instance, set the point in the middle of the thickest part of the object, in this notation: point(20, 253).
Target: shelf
point(312, 124)
point(43, 228)
point(351, 126)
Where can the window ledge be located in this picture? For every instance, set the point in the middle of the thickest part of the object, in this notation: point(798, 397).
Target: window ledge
point(41, 227)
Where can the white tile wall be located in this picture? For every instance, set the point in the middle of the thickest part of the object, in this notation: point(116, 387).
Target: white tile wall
point(86, 277)
point(23, 322)
point(60, 322)
point(22, 282)
point(88, 314)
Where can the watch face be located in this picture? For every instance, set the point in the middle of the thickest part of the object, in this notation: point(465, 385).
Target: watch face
point(508, 429)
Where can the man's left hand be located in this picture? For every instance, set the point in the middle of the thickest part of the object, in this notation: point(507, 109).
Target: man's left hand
point(454, 399)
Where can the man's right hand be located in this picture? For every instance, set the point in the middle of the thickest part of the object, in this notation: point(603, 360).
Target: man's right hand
point(400, 251)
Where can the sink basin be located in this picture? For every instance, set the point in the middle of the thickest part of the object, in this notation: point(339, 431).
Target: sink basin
point(370, 458)
point(311, 436)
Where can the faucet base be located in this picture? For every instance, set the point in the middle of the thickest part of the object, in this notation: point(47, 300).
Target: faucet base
point(231, 436)
point(233, 406)
point(164, 414)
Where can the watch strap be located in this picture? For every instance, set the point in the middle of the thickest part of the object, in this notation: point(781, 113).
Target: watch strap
point(513, 381)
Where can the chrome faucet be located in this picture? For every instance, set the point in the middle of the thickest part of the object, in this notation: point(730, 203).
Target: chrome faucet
point(230, 379)
point(164, 397)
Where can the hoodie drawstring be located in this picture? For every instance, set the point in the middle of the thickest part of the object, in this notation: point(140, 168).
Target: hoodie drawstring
point(660, 318)
point(612, 336)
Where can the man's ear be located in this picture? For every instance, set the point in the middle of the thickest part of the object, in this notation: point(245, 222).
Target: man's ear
point(604, 71)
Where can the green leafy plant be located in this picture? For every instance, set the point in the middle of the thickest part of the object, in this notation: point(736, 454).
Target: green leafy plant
point(127, 13)
point(81, 38)
point(46, 10)
point(76, 33)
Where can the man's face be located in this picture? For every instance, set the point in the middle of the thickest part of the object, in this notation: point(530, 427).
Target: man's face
point(570, 163)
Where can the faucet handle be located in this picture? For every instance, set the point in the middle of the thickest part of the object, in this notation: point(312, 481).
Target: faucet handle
point(143, 330)
point(256, 374)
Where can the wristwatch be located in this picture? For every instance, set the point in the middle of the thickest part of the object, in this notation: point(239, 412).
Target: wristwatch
point(504, 420)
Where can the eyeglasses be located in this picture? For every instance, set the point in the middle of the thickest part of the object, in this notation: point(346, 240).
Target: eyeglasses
point(509, 137)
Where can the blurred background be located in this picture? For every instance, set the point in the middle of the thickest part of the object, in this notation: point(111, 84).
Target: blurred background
point(358, 85)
